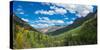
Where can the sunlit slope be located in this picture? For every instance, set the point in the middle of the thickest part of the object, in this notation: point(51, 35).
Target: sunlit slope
point(77, 22)
point(84, 34)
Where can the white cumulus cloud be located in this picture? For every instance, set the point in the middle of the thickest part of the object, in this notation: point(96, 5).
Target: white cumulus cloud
point(54, 10)
point(49, 12)
point(39, 25)
point(79, 10)
point(19, 9)
point(66, 18)
point(21, 13)
point(45, 22)
point(45, 18)
point(70, 22)
point(25, 19)
point(73, 18)
point(60, 11)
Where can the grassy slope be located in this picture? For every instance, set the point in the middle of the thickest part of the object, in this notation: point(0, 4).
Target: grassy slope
point(84, 34)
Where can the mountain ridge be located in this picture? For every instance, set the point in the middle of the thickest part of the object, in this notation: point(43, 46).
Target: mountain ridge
point(76, 23)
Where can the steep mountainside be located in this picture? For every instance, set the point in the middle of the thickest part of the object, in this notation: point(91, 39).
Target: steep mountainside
point(19, 21)
point(82, 35)
point(76, 23)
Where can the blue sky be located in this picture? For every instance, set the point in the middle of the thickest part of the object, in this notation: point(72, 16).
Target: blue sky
point(41, 14)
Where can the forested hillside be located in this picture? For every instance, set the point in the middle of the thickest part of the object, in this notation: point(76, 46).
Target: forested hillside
point(25, 36)
point(77, 22)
